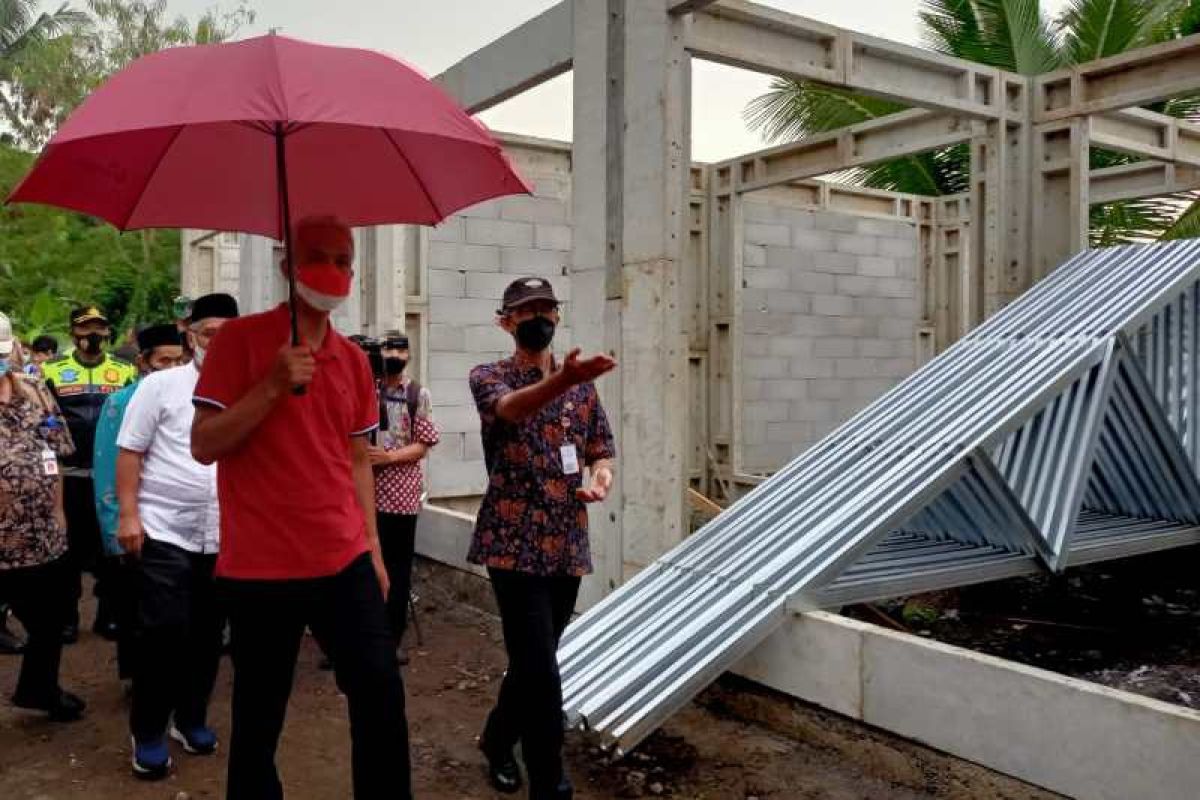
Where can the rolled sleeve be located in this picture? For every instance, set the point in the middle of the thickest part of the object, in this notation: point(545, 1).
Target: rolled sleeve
point(425, 430)
point(487, 387)
point(367, 410)
point(600, 444)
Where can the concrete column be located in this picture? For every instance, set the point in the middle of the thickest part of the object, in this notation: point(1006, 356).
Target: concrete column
point(1001, 203)
point(260, 283)
point(631, 168)
point(1061, 193)
point(383, 262)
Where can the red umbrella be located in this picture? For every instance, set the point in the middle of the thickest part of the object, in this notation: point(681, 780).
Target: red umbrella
point(247, 136)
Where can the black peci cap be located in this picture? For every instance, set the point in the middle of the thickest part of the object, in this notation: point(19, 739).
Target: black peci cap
point(219, 305)
point(158, 335)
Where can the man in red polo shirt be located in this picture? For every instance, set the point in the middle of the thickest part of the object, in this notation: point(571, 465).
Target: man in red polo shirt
point(298, 540)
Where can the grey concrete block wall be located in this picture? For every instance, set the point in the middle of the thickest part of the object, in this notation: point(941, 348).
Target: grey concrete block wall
point(472, 257)
point(828, 310)
point(829, 315)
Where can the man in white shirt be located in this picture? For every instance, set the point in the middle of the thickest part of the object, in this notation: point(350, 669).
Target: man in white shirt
point(169, 521)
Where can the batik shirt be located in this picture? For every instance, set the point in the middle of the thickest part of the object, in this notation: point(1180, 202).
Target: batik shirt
point(398, 487)
point(31, 436)
point(530, 520)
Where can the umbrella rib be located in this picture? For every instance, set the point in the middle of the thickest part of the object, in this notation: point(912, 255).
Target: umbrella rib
point(150, 177)
point(420, 181)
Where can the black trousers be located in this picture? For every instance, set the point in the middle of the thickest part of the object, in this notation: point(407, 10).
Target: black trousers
point(178, 640)
point(85, 552)
point(397, 540)
point(122, 579)
point(534, 611)
point(347, 614)
point(40, 598)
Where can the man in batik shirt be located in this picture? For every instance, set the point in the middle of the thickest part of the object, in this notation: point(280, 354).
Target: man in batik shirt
point(543, 428)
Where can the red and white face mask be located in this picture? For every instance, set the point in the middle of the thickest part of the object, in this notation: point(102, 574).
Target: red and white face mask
point(323, 286)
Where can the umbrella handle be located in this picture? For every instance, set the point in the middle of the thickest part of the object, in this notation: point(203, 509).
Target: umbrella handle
point(286, 214)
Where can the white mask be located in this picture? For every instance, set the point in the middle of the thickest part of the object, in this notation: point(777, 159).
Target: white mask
point(197, 354)
point(318, 300)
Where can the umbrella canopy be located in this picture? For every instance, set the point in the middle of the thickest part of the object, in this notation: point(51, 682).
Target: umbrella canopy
point(219, 136)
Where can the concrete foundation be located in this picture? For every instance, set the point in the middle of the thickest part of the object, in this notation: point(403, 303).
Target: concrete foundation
point(1064, 734)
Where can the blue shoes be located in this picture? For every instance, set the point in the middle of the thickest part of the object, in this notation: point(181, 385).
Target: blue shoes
point(198, 741)
point(151, 760)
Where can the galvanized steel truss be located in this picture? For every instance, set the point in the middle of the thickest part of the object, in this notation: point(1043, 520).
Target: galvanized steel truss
point(1062, 431)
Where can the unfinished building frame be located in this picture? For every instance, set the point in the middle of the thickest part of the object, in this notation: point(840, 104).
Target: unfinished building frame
point(656, 262)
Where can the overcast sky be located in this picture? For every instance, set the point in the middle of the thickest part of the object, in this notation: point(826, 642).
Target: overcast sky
point(433, 34)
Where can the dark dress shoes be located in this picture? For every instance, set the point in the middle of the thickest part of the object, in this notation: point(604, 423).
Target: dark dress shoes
point(106, 627)
point(10, 643)
point(60, 707)
point(503, 772)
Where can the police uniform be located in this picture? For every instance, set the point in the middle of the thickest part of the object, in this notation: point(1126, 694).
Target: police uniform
point(81, 391)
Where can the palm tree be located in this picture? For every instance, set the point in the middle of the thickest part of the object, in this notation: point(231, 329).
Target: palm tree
point(1013, 35)
point(21, 26)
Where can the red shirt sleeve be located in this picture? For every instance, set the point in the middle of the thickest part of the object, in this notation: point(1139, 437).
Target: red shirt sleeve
point(225, 375)
point(366, 414)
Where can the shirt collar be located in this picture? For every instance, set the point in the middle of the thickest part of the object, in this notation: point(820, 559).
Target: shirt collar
point(512, 364)
point(399, 391)
point(283, 319)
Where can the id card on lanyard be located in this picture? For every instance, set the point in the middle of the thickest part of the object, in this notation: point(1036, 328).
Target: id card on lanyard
point(570, 459)
point(49, 461)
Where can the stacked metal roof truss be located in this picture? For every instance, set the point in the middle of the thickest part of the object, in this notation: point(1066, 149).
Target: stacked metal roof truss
point(1062, 431)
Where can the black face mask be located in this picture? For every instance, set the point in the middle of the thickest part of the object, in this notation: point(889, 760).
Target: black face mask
point(394, 366)
point(91, 343)
point(535, 334)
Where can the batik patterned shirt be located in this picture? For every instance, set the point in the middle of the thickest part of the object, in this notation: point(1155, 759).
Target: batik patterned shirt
point(530, 519)
point(31, 437)
point(398, 487)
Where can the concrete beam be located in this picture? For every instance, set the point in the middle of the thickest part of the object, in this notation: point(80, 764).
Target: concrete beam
point(1140, 132)
point(1044, 728)
point(519, 60)
point(905, 133)
point(763, 39)
point(1135, 78)
point(1144, 179)
point(676, 7)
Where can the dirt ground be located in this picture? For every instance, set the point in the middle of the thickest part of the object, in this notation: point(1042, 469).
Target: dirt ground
point(705, 752)
point(1132, 624)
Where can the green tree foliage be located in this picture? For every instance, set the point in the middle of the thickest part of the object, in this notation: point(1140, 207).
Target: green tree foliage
point(75, 259)
point(51, 259)
point(44, 82)
point(1013, 35)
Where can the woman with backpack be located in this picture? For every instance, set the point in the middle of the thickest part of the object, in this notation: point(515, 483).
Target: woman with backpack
point(406, 432)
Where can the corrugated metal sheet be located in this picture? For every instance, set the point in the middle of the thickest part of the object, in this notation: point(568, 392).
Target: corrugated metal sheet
point(1035, 440)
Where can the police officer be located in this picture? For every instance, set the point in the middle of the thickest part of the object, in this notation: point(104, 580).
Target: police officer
point(81, 381)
